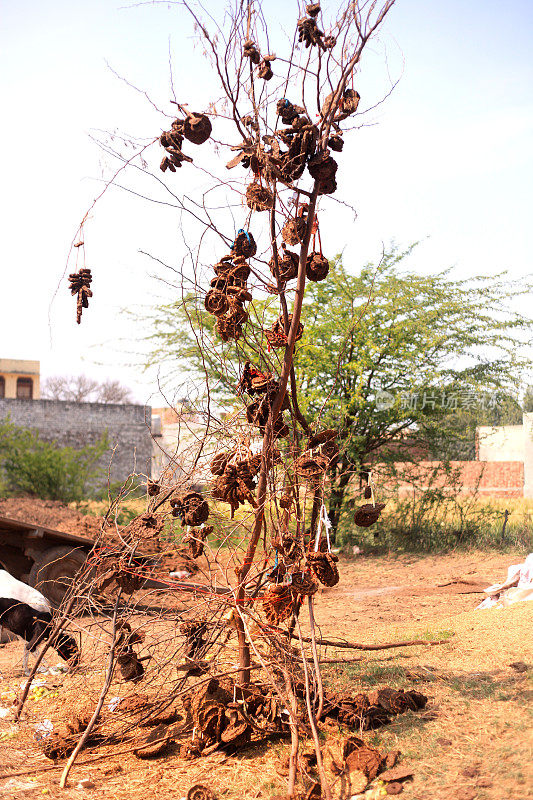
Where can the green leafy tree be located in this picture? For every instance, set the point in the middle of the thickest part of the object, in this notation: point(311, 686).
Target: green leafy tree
point(30, 465)
point(404, 365)
point(528, 399)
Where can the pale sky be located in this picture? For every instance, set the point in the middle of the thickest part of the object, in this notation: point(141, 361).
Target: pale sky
point(447, 159)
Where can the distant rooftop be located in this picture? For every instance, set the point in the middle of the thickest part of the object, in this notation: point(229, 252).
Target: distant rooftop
point(19, 379)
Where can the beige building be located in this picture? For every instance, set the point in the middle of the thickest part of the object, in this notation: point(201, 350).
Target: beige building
point(19, 379)
point(509, 443)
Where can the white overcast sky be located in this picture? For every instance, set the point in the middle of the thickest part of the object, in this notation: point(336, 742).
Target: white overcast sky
point(447, 159)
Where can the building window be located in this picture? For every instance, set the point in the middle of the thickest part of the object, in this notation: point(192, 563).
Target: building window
point(2, 387)
point(24, 388)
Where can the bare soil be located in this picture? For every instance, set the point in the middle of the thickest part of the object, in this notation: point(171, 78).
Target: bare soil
point(473, 742)
point(51, 514)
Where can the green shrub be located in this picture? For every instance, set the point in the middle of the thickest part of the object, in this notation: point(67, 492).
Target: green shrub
point(30, 465)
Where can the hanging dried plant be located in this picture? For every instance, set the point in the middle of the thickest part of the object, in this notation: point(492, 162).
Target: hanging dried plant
point(216, 302)
point(308, 32)
point(324, 567)
point(244, 245)
point(259, 198)
point(366, 515)
point(311, 467)
point(219, 283)
point(219, 462)
point(287, 264)
point(293, 232)
point(317, 267)
point(346, 104)
point(250, 51)
point(234, 488)
point(265, 68)
point(228, 330)
point(288, 111)
point(330, 451)
point(253, 381)
point(321, 437)
point(191, 507)
point(336, 142)
point(286, 500)
point(195, 540)
point(277, 337)
point(303, 583)
point(322, 167)
point(197, 128)
point(277, 604)
point(79, 284)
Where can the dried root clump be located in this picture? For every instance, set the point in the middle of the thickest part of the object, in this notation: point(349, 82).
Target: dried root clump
point(120, 568)
point(153, 488)
point(216, 302)
point(194, 631)
point(228, 292)
point(250, 51)
point(303, 583)
point(323, 168)
point(366, 712)
point(130, 666)
point(362, 757)
point(258, 412)
point(144, 528)
point(225, 715)
point(311, 467)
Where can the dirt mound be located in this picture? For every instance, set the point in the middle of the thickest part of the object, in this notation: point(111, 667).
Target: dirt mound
point(51, 514)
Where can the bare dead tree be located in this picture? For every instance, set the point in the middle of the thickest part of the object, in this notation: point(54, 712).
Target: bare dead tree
point(82, 389)
point(266, 548)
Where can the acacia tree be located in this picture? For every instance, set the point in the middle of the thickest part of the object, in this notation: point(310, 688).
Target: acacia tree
point(407, 367)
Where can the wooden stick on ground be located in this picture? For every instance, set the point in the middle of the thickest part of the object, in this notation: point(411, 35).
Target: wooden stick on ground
point(356, 646)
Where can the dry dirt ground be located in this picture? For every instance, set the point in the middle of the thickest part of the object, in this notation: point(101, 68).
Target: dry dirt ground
point(473, 742)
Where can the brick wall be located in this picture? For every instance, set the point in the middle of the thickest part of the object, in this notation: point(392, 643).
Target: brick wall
point(78, 424)
point(496, 478)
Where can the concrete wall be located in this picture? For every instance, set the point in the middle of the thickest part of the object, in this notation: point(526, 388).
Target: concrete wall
point(509, 443)
point(78, 424)
point(528, 454)
point(504, 443)
point(13, 368)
